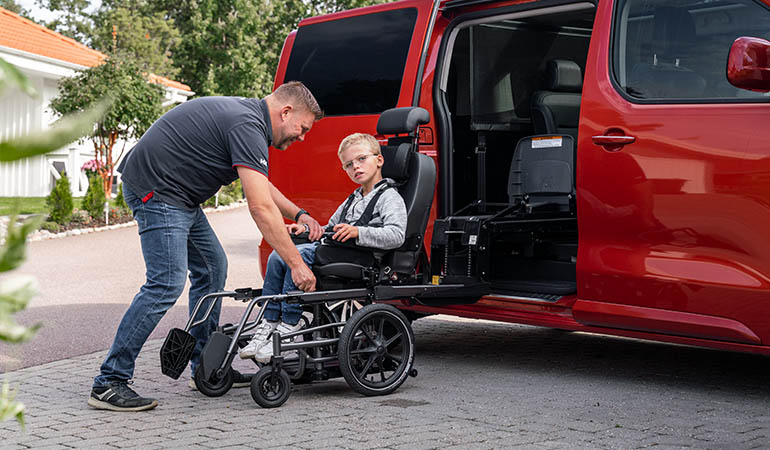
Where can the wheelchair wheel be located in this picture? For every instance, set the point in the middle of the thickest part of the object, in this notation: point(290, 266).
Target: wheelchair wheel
point(376, 350)
point(343, 310)
point(213, 387)
point(270, 393)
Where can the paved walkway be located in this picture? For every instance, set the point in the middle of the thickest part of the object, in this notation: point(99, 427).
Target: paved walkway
point(482, 385)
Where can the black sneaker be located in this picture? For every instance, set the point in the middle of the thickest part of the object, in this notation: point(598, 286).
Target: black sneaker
point(117, 396)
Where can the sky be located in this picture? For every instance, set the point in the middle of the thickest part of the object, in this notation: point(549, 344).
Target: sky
point(35, 11)
point(41, 14)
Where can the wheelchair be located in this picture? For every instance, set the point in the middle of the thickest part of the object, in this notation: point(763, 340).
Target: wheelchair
point(374, 348)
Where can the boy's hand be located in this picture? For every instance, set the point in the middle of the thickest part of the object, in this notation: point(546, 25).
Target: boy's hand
point(315, 228)
point(295, 228)
point(344, 231)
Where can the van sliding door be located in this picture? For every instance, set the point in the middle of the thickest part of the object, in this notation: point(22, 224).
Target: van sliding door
point(357, 63)
point(673, 186)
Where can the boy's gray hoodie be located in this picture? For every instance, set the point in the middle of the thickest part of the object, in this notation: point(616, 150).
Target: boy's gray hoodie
point(387, 228)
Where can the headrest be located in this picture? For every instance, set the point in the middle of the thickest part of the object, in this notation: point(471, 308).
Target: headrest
point(397, 162)
point(402, 120)
point(674, 31)
point(563, 75)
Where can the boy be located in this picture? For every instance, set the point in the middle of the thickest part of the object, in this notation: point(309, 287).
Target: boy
point(362, 161)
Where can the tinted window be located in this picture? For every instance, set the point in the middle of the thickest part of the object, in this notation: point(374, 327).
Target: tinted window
point(680, 52)
point(354, 65)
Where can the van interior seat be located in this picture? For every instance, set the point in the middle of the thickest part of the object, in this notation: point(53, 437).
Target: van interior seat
point(673, 43)
point(543, 176)
point(556, 110)
point(415, 174)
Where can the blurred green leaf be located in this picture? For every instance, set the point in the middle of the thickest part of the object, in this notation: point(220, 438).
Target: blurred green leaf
point(13, 251)
point(64, 131)
point(16, 292)
point(10, 76)
point(14, 333)
point(9, 407)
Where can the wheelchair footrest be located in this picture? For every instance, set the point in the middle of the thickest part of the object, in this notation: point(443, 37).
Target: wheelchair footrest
point(176, 352)
point(214, 352)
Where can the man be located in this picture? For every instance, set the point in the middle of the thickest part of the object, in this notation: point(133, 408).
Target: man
point(182, 160)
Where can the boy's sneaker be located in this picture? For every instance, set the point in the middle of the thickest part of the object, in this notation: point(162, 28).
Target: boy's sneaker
point(239, 380)
point(117, 396)
point(266, 352)
point(260, 339)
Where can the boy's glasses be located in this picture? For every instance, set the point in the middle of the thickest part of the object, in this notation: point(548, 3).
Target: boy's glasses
point(347, 165)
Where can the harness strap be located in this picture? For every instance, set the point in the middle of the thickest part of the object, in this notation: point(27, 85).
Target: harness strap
point(366, 216)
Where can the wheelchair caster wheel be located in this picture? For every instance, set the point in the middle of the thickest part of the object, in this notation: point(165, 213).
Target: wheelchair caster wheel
point(213, 387)
point(268, 392)
point(413, 373)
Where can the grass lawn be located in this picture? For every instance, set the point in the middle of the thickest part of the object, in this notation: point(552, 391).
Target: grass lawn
point(27, 205)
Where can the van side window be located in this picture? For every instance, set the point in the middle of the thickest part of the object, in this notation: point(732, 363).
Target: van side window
point(354, 65)
point(678, 51)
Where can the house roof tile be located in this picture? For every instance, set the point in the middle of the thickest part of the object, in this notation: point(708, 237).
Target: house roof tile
point(23, 34)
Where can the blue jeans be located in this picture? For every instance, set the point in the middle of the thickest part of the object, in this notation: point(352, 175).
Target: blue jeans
point(174, 240)
point(278, 281)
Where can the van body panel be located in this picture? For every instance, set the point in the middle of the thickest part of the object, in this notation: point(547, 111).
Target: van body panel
point(678, 219)
point(671, 227)
point(662, 321)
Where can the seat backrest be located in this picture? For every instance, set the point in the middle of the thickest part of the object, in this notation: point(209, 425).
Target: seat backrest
point(556, 110)
point(666, 75)
point(416, 175)
point(542, 172)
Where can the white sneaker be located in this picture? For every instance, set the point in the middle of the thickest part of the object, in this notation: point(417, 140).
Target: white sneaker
point(265, 352)
point(261, 338)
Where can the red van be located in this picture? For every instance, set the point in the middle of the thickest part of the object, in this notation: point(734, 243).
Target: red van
point(640, 124)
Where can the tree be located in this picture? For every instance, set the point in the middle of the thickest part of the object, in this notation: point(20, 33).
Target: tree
point(12, 6)
point(136, 105)
point(74, 21)
point(231, 47)
point(146, 36)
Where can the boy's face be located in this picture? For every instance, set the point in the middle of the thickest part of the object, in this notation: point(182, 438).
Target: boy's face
point(361, 164)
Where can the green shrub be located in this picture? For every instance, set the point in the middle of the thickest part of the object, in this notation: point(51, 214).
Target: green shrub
point(120, 202)
point(93, 202)
point(233, 190)
point(59, 201)
point(53, 227)
point(224, 198)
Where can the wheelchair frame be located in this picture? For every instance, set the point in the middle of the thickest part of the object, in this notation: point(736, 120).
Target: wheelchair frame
point(271, 386)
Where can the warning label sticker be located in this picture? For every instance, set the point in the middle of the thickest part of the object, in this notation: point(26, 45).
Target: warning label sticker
point(546, 142)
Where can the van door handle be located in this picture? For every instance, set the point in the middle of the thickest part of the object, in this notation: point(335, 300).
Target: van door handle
point(613, 143)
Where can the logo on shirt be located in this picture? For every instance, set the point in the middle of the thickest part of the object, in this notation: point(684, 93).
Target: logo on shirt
point(263, 161)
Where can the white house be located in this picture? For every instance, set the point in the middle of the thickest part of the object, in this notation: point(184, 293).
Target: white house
point(45, 56)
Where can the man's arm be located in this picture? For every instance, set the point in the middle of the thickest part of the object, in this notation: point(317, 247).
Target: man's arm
point(290, 210)
point(267, 216)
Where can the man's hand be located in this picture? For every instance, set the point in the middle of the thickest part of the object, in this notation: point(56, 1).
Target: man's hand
point(303, 278)
point(315, 228)
point(344, 231)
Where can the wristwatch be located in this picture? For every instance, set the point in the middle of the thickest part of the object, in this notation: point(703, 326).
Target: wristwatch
point(299, 213)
